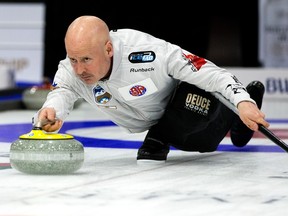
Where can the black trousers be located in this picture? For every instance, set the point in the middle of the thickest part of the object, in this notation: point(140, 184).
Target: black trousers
point(194, 121)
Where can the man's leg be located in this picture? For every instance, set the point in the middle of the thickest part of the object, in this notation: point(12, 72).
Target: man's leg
point(196, 121)
point(188, 124)
point(208, 139)
point(239, 132)
point(154, 146)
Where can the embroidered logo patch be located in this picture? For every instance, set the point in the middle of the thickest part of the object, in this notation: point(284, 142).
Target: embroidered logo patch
point(139, 89)
point(142, 57)
point(195, 61)
point(54, 86)
point(101, 96)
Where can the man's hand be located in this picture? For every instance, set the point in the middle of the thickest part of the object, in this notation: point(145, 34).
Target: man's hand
point(48, 120)
point(251, 115)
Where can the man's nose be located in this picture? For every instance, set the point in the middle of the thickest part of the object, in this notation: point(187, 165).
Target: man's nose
point(79, 68)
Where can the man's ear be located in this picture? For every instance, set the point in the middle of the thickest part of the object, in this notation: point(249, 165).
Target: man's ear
point(109, 48)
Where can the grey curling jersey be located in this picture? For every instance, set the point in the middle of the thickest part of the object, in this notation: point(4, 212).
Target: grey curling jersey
point(144, 75)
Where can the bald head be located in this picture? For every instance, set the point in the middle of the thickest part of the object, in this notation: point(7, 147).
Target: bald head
point(87, 29)
point(89, 48)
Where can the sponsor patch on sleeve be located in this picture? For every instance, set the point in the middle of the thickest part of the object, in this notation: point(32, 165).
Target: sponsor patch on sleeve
point(195, 60)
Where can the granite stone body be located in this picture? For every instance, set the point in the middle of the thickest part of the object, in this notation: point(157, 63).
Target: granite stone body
point(41, 153)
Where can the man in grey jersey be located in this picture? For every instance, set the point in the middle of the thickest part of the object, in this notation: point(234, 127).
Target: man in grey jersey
point(145, 83)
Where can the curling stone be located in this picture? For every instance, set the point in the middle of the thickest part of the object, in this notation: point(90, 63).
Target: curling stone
point(33, 98)
point(38, 152)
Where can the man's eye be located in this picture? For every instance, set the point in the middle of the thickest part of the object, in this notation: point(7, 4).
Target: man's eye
point(73, 61)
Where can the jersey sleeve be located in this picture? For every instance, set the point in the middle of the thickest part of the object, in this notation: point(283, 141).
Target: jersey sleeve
point(206, 75)
point(62, 97)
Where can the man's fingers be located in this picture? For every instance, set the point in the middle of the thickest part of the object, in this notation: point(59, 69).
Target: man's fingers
point(254, 125)
point(50, 127)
